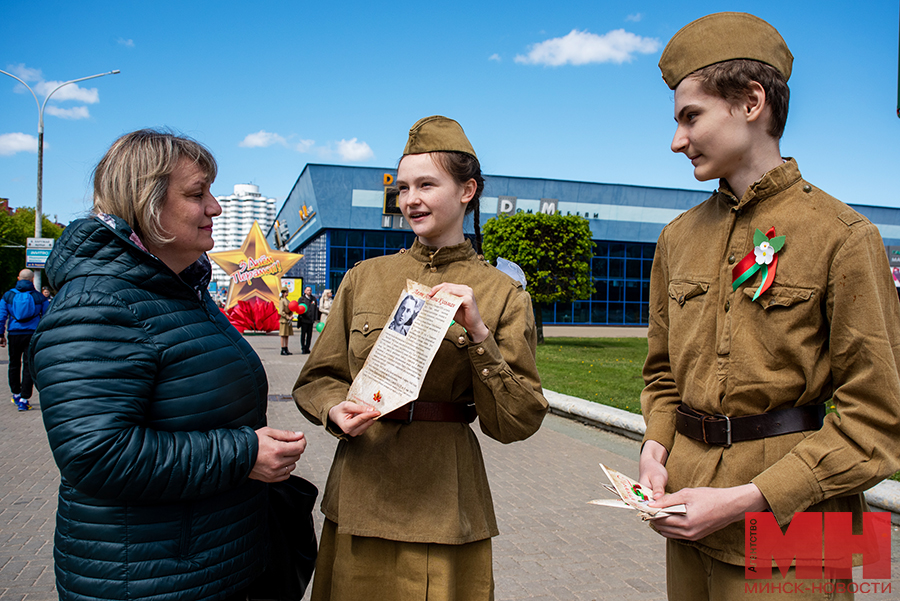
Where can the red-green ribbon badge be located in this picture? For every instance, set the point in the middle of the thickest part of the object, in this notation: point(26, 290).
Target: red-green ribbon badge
point(763, 255)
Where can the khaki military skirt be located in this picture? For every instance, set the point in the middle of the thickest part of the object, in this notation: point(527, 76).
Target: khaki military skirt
point(353, 568)
point(286, 329)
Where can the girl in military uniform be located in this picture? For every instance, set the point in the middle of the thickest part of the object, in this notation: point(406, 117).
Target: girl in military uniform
point(407, 504)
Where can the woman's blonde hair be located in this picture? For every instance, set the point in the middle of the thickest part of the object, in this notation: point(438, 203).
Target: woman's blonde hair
point(132, 178)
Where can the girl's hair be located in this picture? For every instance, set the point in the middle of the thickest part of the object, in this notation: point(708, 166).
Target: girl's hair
point(462, 167)
point(132, 179)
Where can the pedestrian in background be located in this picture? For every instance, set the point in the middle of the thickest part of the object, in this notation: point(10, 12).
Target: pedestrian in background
point(307, 319)
point(154, 405)
point(408, 507)
point(285, 319)
point(23, 307)
point(325, 304)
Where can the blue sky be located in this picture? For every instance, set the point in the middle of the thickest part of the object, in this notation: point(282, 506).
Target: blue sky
point(566, 90)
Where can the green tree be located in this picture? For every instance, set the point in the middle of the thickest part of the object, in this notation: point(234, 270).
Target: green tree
point(15, 229)
point(554, 251)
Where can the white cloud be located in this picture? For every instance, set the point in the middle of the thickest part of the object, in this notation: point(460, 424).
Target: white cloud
point(351, 150)
point(76, 112)
point(495, 57)
point(127, 43)
point(25, 73)
point(635, 17)
point(262, 139)
point(10, 144)
point(69, 92)
point(582, 47)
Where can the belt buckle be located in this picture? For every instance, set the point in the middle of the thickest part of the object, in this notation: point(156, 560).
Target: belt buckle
point(727, 428)
point(409, 416)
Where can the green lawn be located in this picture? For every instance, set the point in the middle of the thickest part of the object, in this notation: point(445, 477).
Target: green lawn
point(603, 370)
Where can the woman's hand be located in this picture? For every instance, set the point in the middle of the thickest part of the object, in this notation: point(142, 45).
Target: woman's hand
point(352, 418)
point(467, 315)
point(279, 451)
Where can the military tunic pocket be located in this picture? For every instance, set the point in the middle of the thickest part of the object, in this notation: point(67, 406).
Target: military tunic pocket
point(682, 291)
point(364, 331)
point(780, 296)
point(780, 317)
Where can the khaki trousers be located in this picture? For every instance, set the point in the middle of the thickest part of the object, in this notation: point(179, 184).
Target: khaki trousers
point(692, 575)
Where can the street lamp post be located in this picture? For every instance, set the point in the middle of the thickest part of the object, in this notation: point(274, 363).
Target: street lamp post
point(38, 215)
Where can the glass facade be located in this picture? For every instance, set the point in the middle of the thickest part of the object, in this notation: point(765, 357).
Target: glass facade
point(346, 248)
point(620, 272)
point(312, 266)
point(621, 275)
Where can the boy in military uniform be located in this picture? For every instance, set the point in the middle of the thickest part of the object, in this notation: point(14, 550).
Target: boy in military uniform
point(768, 300)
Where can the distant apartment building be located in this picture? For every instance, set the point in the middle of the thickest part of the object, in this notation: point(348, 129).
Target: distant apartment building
point(239, 211)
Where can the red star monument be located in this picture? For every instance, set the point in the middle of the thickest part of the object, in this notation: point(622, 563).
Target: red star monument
point(255, 269)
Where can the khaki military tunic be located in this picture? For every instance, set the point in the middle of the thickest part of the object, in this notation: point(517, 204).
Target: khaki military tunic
point(828, 326)
point(424, 481)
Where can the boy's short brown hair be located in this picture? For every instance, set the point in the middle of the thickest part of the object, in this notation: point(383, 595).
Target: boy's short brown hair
point(731, 80)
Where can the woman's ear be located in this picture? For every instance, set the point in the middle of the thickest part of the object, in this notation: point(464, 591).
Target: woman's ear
point(469, 189)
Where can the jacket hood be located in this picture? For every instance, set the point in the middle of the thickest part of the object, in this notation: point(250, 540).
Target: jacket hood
point(103, 247)
point(25, 286)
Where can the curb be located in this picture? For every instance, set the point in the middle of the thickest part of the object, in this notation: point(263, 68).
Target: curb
point(885, 495)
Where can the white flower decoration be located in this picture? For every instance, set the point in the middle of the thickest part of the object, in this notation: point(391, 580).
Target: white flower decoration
point(764, 253)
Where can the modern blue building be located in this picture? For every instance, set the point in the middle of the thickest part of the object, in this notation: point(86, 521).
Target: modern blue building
point(337, 216)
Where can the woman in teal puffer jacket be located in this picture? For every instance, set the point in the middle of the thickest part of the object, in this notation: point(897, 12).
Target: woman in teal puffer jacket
point(154, 405)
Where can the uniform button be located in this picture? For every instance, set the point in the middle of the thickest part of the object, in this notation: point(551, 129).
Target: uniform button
point(433, 269)
point(462, 339)
point(485, 372)
point(681, 300)
point(731, 260)
point(366, 328)
point(480, 350)
point(807, 188)
point(402, 250)
point(481, 257)
point(727, 305)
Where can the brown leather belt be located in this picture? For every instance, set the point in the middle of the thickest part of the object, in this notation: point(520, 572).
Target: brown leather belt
point(723, 431)
point(429, 411)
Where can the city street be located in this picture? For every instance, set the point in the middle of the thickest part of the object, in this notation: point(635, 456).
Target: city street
point(552, 546)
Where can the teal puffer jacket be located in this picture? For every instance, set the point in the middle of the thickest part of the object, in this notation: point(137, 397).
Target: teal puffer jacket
point(150, 399)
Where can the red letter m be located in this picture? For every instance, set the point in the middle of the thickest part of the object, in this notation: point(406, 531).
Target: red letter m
point(802, 541)
point(874, 544)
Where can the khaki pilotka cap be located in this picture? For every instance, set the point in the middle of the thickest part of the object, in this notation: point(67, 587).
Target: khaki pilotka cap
point(437, 134)
point(723, 37)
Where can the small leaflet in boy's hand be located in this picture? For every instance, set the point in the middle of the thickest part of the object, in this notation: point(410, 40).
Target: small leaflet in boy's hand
point(633, 496)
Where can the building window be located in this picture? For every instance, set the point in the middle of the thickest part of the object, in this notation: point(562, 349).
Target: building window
point(346, 248)
point(621, 275)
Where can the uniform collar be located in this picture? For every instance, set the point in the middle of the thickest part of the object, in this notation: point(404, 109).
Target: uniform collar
point(436, 257)
point(773, 182)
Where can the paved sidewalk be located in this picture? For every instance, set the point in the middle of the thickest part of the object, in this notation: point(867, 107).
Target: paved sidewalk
point(552, 546)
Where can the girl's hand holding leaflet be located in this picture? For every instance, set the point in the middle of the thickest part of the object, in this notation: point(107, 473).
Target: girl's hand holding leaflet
point(353, 419)
point(467, 315)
